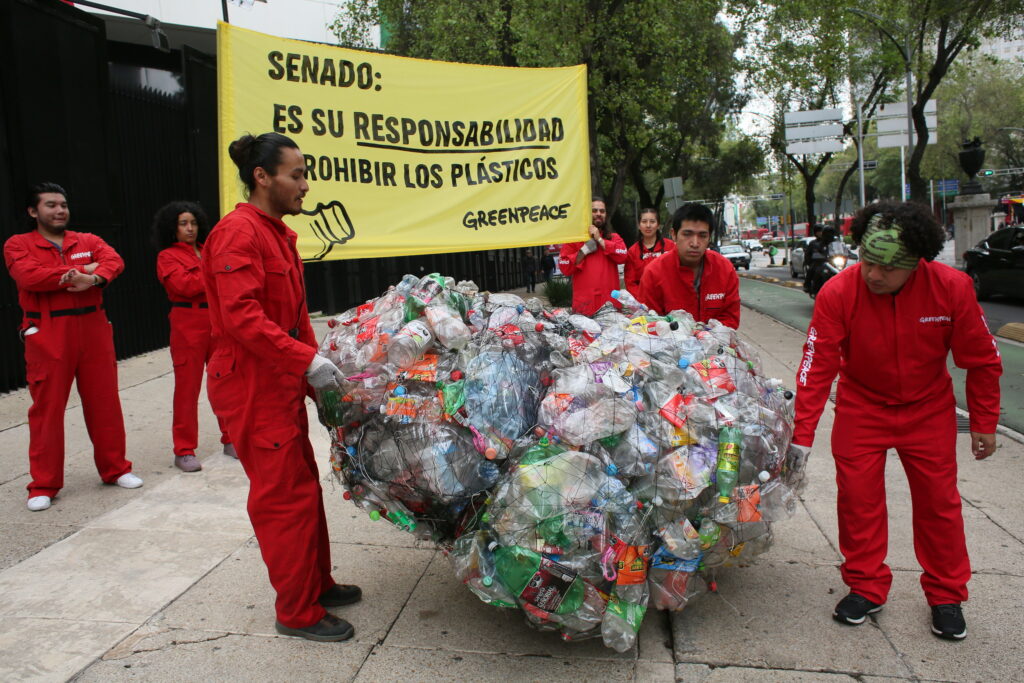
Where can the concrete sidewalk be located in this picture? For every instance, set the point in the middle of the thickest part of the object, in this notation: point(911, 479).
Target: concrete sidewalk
point(166, 583)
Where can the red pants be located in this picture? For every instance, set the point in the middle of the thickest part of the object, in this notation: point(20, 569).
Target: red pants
point(286, 507)
point(190, 352)
point(65, 349)
point(924, 436)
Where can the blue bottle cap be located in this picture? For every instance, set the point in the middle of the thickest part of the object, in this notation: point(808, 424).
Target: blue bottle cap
point(520, 308)
point(612, 470)
point(351, 450)
point(616, 294)
point(683, 363)
point(399, 390)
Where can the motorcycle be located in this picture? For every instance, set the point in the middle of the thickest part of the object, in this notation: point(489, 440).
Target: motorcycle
point(836, 259)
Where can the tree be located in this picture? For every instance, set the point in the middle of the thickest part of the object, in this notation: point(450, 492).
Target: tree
point(937, 33)
point(807, 55)
point(980, 97)
point(660, 75)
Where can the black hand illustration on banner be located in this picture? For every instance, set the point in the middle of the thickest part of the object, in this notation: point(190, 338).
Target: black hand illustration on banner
point(331, 225)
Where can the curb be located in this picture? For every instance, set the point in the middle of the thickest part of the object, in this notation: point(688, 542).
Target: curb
point(773, 280)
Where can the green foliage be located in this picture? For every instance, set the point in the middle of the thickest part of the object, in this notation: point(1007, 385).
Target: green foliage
point(558, 291)
point(660, 75)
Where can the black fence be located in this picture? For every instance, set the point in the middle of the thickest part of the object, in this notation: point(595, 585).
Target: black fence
point(74, 109)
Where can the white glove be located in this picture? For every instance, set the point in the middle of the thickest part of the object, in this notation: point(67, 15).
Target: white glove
point(589, 247)
point(323, 375)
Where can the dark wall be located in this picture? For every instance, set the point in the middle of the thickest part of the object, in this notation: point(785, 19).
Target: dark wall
point(122, 150)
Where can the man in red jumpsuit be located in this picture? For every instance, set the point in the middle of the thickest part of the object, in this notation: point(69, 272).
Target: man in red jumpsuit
point(594, 265)
point(60, 275)
point(887, 326)
point(263, 365)
point(690, 277)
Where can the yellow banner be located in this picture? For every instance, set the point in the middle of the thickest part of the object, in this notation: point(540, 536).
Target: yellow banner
point(408, 156)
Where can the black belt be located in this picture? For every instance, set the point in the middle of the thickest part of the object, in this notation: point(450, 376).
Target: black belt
point(64, 311)
point(188, 304)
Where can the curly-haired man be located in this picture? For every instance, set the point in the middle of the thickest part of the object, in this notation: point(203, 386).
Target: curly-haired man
point(886, 326)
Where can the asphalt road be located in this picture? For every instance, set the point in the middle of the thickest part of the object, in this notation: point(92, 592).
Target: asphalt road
point(998, 311)
point(792, 307)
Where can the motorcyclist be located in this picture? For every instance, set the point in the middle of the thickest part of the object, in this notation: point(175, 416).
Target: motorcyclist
point(817, 256)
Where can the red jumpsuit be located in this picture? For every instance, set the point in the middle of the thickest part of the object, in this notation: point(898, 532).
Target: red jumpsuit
point(667, 286)
point(263, 343)
point(895, 392)
point(638, 257)
point(178, 269)
point(74, 342)
point(596, 276)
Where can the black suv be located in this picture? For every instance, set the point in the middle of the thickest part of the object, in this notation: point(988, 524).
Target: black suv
point(996, 264)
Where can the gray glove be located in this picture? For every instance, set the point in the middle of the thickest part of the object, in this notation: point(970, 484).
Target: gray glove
point(323, 375)
point(796, 461)
point(589, 247)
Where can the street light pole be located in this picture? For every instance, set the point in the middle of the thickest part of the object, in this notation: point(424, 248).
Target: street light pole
point(906, 53)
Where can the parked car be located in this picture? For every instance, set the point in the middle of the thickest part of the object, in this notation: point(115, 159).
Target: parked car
point(752, 245)
point(796, 257)
point(736, 254)
point(996, 264)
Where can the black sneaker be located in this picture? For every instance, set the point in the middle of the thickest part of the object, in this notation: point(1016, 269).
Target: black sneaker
point(340, 594)
point(330, 629)
point(948, 622)
point(854, 609)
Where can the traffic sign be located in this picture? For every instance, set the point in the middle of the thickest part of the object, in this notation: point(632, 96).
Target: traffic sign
point(762, 220)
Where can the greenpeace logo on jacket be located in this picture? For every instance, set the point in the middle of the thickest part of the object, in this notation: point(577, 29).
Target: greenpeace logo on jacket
point(891, 349)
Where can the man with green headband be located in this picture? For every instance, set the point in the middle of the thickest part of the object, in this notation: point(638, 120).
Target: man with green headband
point(887, 326)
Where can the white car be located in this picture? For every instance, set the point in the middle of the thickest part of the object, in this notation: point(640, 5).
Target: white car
point(751, 245)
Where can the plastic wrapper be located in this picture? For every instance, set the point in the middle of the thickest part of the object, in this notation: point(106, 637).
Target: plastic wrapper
point(581, 470)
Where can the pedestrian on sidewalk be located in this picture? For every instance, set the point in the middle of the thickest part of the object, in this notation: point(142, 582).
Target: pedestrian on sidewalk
point(692, 277)
point(650, 246)
point(179, 231)
point(772, 252)
point(887, 326)
point(264, 364)
point(60, 276)
point(530, 269)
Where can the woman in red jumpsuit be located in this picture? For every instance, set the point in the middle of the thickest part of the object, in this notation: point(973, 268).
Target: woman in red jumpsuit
point(887, 326)
point(179, 230)
point(263, 367)
point(650, 246)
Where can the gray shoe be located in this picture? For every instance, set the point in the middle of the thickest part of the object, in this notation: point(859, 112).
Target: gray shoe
point(330, 629)
point(187, 463)
point(229, 449)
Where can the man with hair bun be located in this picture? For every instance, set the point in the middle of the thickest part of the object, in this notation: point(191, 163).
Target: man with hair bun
point(887, 326)
point(264, 364)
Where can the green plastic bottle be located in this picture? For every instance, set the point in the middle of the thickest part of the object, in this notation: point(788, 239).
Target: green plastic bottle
point(541, 582)
point(330, 407)
point(728, 470)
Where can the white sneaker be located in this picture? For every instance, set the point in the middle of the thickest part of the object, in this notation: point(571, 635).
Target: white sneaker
point(38, 503)
point(128, 481)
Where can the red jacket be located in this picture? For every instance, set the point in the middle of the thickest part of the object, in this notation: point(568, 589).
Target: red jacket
point(891, 349)
point(637, 259)
point(594, 278)
point(261, 330)
point(667, 286)
point(179, 270)
point(37, 267)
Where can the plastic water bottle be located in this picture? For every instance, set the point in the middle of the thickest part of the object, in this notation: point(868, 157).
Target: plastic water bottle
point(448, 327)
point(409, 343)
point(630, 306)
point(727, 472)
